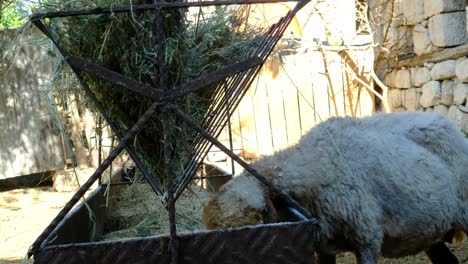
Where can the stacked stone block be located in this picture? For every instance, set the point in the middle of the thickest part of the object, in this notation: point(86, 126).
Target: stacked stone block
point(433, 25)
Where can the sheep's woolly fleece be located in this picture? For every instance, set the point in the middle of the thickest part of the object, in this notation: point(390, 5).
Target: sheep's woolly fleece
point(397, 179)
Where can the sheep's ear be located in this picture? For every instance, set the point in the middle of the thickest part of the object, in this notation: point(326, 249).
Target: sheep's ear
point(270, 215)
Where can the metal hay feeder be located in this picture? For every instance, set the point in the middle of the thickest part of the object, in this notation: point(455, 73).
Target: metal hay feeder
point(277, 243)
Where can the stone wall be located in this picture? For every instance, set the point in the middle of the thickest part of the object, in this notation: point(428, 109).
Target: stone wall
point(431, 74)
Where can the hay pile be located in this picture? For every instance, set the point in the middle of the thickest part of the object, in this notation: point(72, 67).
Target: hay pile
point(135, 211)
point(198, 42)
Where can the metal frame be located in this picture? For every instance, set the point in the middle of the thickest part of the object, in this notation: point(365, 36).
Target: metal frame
point(286, 243)
point(232, 80)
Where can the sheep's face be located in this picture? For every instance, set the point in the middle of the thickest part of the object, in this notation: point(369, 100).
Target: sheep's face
point(239, 203)
point(216, 217)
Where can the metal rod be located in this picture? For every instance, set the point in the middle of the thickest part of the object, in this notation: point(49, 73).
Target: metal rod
point(114, 77)
point(215, 117)
point(213, 77)
point(277, 192)
point(107, 162)
point(213, 177)
point(276, 30)
point(100, 146)
point(155, 93)
point(297, 214)
point(203, 146)
point(170, 186)
point(231, 145)
point(115, 128)
point(120, 183)
point(146, 7)
point(161, 48)
point(237, 94)
point(199, 152)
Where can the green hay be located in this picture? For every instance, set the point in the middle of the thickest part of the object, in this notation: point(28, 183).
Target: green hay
point(126, 43)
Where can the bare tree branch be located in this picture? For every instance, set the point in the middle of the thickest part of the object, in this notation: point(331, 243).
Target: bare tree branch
point(1, 4)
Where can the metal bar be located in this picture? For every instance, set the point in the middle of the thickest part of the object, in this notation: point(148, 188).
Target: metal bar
point(213, 177)
point(170, 186)
point(155, 93)
point(277, 192)
point(213, 77)
point(276, 29)
point(201, 147)
point(215, 118)
point(211, 115)
point(114, 77)
point(237, 85)
point(273, 35)
point(196, 163)
point(120, 183)
point(107, 162)
point(297, 214)
point(146, 7)
point(130, 149)
point(100, 146)
point(231, 146)
point(161, 47)
point(286, 243)
point(201, 154)
point(198, 148)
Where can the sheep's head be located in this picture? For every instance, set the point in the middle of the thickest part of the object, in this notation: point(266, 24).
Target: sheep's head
point(243, 201)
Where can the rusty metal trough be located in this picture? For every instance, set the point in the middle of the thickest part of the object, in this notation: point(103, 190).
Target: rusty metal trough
point(272, 243)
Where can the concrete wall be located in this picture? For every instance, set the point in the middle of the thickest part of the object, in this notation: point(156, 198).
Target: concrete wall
point(434, 76)
point(29, 142)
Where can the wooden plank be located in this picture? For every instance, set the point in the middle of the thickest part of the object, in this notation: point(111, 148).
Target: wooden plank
point(365, 63)
point(275, 85)
point(306, 102)
point(262, 118)
point(319, 87)
point(337, 93)
point(438, 56)
point(247, 127)
point(290, 98)
point(274, 92)
point(352, 86)
point(236, 131)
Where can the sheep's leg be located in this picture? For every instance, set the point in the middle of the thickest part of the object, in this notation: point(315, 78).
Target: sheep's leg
point(367, 256)
point(440, 254)
point(324, 258)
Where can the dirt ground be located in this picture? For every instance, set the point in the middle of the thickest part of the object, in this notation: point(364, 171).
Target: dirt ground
point(24, 213)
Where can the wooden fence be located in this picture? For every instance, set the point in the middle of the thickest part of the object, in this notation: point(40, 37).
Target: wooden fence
point(295, 92)
point(29, 140)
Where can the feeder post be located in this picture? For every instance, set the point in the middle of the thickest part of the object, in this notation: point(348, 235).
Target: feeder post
point(100, 145)
point(161, 50)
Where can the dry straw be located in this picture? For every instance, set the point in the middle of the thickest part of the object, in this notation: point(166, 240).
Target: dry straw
point(134, 212)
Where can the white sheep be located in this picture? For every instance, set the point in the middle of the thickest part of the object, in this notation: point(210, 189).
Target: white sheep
point(390, 185)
